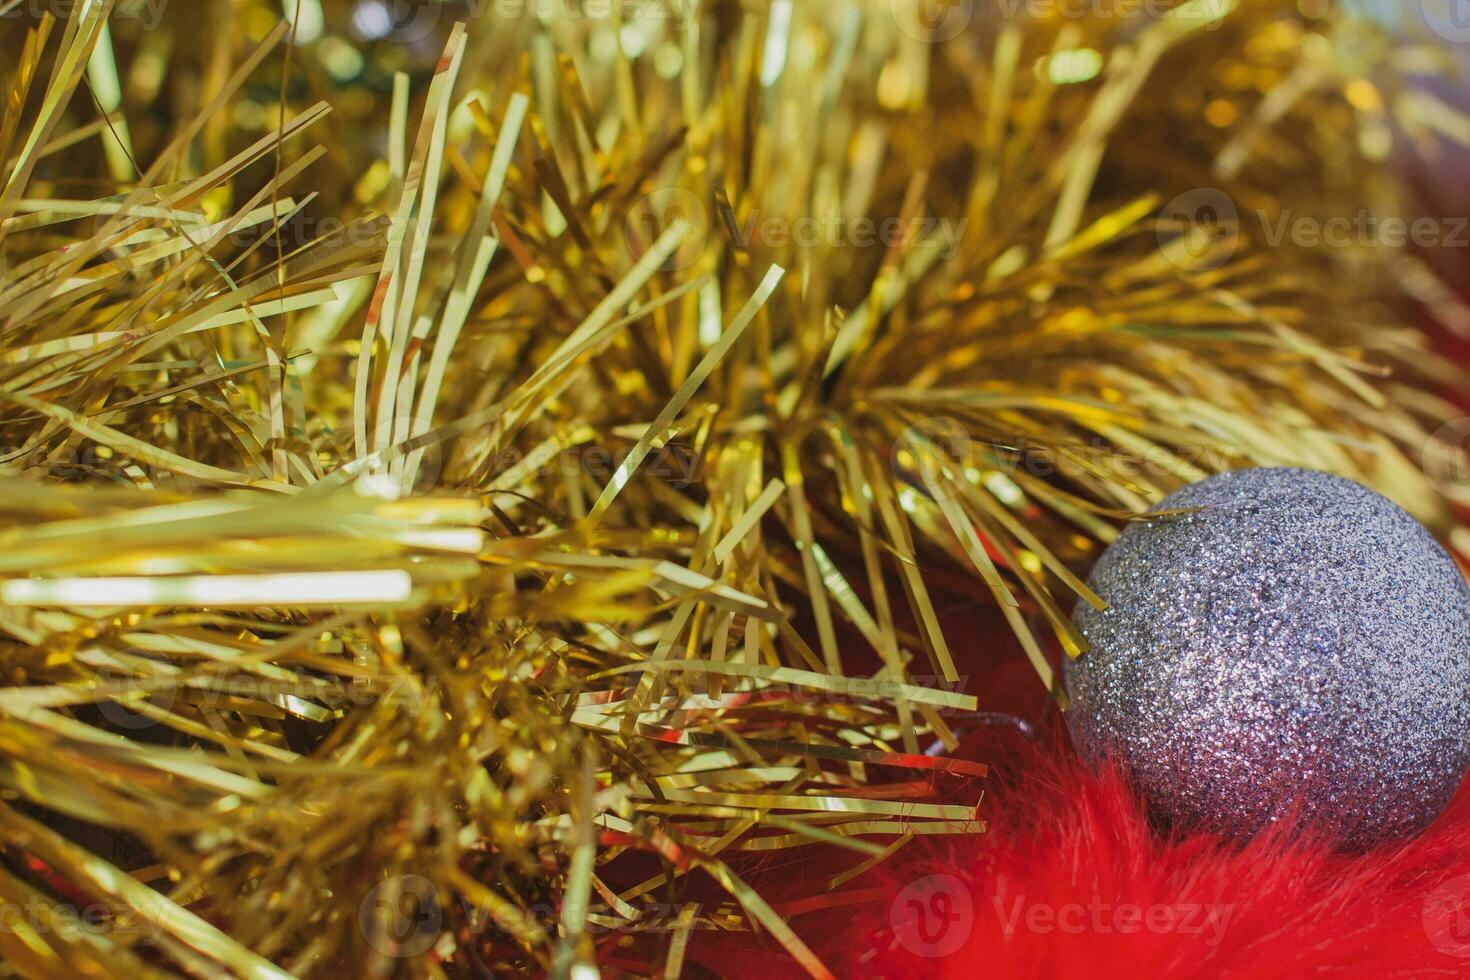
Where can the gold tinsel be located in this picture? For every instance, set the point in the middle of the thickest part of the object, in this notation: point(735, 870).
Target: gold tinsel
point(469, 488)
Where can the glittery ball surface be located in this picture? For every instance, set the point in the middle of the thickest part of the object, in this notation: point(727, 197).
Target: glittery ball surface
point(1296, 648)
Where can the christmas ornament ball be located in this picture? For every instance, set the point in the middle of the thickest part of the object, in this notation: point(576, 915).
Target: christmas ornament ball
point(1279, 645)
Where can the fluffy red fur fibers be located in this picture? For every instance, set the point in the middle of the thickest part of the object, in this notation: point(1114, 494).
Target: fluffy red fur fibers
point(1071, 880)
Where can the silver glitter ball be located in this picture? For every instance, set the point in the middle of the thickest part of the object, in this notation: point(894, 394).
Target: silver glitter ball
point(1297, 648)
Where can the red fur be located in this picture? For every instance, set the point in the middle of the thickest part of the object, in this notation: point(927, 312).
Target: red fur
point(1077, 844)
point(1063, 836)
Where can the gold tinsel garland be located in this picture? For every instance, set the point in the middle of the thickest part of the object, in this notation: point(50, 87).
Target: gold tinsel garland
point(521, 482)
